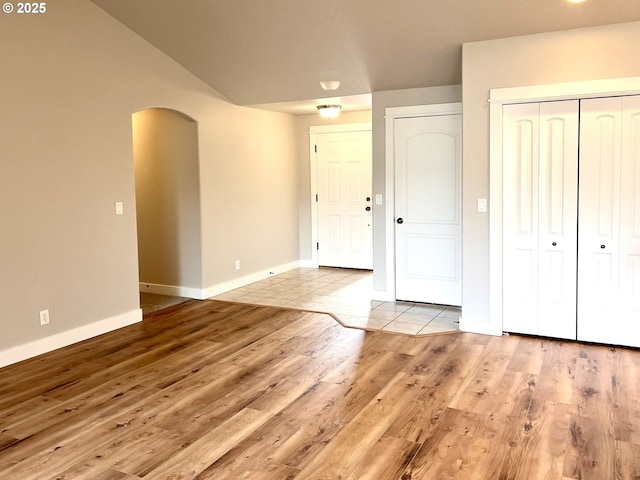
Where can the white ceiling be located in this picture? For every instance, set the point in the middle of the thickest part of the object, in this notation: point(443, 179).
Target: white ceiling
point(274, 53)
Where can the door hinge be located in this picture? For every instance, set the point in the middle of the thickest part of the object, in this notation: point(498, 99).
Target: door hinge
point(317, 245)
point(315, 148)
point(316, 197)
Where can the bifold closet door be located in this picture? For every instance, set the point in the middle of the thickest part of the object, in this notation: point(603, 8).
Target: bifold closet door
point(609, 219)
point(540, 161)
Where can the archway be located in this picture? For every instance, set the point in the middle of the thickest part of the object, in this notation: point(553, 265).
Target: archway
point(165, 152)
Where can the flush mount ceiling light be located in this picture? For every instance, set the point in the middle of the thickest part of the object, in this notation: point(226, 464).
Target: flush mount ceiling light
point(329, 111)
point(576, 1)
point(330, 84)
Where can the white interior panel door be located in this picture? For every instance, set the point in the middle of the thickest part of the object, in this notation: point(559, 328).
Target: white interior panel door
point(540, 173)
point(521, 147)
point(629, 322)
point(557, 217)
point(428, 210)
point(345, 237)
point(609, 255)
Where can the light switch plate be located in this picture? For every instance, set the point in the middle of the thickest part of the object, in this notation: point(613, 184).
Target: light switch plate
point(482, 205)
point(378, 199)
point(119, 208)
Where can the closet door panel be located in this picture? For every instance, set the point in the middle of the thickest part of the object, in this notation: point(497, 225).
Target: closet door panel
point(558, 207)
point(609, 255)
point(520, 232)
point(600, 141)
point(629, 310)
point(539, 235)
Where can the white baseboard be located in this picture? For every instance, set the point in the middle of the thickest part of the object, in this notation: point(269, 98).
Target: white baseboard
point(212, 291)
point(224, 287)
point(187, 292)
point(483, 327)
point(43, 345)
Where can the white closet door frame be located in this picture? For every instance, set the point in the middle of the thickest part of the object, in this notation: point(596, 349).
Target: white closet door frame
point(505, 96)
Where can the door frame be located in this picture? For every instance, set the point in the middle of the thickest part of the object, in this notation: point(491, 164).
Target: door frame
point(390, 115)
point(313, 174)
point(504, 96)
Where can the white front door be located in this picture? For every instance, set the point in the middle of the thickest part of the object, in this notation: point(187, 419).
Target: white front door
point(609, 218)
point(540, 180)
point(344, 163)
point(428, 161)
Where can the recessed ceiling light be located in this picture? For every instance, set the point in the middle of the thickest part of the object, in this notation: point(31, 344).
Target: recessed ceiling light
point(576, 1)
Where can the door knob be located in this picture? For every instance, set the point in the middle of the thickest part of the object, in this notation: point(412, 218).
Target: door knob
point(554, 244)
point(368, 209)
point(368, 199)
point(603, 246)
point(400, 220)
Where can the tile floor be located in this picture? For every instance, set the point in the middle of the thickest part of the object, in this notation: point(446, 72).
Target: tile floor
point(346, 294)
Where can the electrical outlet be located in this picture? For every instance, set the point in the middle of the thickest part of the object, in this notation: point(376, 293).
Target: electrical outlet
point(44, 317)
point(237, 264)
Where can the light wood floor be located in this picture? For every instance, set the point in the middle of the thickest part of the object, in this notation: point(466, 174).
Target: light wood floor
point(214, 390)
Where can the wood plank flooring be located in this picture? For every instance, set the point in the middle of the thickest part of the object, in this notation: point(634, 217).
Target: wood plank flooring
point(215, 390)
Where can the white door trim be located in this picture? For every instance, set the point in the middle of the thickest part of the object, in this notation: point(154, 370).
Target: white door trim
point(390, 114)
point(503, 96)
point(313, 174)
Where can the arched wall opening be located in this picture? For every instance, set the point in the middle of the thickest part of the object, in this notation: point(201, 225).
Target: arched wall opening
point(166, 160)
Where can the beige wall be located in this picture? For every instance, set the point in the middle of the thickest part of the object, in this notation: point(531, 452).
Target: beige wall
point(72, 78)
point(165, 156)
point(569, 56)
point(249, 194)
point(303, 123)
